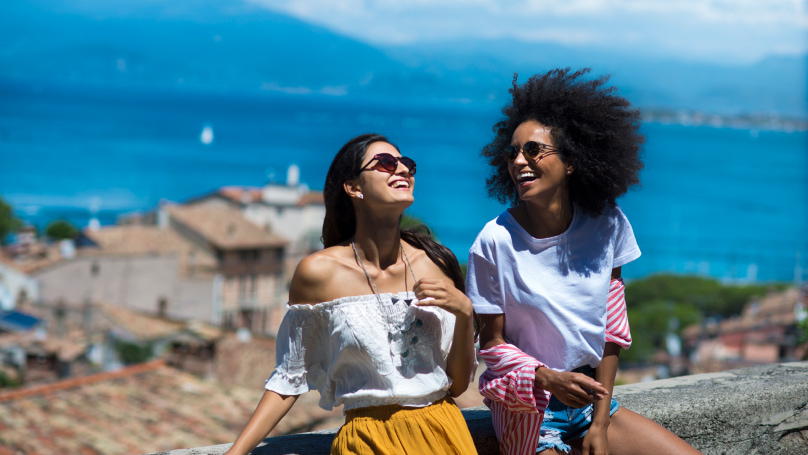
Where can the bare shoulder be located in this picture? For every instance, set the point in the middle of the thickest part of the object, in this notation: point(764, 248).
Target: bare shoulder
point(422, 265)
point(318, 276)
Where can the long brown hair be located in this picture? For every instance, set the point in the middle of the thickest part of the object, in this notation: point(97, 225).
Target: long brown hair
point(339, 224)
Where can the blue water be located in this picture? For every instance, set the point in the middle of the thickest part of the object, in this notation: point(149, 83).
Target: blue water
point(727, 203)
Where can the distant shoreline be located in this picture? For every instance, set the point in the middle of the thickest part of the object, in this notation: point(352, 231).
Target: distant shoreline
point(753, 122)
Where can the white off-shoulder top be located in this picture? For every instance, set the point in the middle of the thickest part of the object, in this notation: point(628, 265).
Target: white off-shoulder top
point(360, 353)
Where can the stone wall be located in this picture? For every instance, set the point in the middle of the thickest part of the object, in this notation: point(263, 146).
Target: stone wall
point(756, 410)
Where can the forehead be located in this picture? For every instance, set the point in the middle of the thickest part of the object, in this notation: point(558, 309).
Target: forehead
point(532, 130)
point(380, 147)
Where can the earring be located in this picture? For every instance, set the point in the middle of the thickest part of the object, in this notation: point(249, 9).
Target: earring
point(569, 172)
point(361, 196)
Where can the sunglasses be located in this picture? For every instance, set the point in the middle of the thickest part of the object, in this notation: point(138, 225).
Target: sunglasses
point(533, 150)
point(386, 162)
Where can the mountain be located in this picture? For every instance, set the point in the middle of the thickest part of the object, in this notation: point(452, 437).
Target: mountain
point(775, 85)
point(234, 45)
point(224, 44)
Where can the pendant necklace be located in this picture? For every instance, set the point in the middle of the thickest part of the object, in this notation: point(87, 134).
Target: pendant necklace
point(375, 288)
point(397, 334)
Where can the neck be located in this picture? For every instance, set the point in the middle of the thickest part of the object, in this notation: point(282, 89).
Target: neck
point(378, 240)
point(548, 218)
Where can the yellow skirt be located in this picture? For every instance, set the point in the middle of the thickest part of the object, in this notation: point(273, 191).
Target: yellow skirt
point(392, 430)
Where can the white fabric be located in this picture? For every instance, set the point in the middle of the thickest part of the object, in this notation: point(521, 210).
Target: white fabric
point(360, 354)
point(553, 291)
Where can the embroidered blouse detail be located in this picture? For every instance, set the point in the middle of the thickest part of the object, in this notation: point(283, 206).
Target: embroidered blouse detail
point(360, 351)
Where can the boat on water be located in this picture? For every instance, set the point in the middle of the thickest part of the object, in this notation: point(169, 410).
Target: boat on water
point(206, 137)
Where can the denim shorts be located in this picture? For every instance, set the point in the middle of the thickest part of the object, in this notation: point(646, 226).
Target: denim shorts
point(563, 424)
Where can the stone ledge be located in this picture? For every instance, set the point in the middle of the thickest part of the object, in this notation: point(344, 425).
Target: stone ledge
point(756, 410)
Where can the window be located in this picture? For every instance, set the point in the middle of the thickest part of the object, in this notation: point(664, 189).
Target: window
point(162, 307)
point(242, 286)
point(250, 255)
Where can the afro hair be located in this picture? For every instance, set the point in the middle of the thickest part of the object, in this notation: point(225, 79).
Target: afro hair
point(596, 131)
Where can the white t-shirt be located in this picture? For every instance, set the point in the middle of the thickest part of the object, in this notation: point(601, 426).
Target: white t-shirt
point(360, 353)
point(552, 291)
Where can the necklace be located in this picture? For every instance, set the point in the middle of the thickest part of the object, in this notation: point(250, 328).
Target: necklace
point(396, 331)
point(376, 288)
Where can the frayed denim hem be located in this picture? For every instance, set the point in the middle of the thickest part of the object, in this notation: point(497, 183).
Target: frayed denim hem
point(551, 439)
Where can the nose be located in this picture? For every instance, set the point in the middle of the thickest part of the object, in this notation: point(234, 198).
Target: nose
point(402, 169)
point(520, 159)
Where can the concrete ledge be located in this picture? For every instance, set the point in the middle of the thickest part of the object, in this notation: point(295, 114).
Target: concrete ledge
point(757, 410)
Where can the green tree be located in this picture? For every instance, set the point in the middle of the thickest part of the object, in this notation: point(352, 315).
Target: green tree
point(409, 221)
point(706, 294)
point(655, 301)
point(802, 326)
point(61, 230)
point(132, 353)
point(652, 322)
point(8, 222)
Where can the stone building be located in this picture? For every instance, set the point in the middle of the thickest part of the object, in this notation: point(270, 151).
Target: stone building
point(291, 211)
point(141, 268)
point(250, 284)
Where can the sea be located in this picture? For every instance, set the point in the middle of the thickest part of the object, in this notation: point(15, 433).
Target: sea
point(728, 203)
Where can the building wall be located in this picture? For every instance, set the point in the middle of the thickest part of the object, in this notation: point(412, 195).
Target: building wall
point(134, 282)
point(299, 225)
point(265, 295)
point(18, 285)
point(194, 300)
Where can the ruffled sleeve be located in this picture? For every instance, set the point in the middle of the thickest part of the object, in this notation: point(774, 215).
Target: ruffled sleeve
point(301, 352)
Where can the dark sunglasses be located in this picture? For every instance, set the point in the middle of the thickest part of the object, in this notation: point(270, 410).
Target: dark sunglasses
point(531, 149)
point(386, 162)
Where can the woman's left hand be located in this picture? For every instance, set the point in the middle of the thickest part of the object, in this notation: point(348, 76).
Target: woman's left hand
point(442, 294)
point(595, 441)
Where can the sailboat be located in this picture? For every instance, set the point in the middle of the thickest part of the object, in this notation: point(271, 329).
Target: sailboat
point(206, 137)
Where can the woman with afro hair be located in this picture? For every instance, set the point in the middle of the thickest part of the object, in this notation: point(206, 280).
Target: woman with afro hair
point(544, 276)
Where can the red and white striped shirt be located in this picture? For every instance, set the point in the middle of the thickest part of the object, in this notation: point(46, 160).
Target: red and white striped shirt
point(617, 329)
point(508, 383)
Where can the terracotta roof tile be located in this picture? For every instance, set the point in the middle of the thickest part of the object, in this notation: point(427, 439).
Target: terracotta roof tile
point(145, 408)
point(141, 409)
point(224, 227)
point(141, 326)
point(138, 240)
point(237, 193)
point(312, 198)
point(49, 255)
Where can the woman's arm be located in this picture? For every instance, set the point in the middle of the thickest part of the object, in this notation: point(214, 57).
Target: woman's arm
point(573, 389)
point(307, 286)
point(461, 357)
point(595, 441)
point(491, 331)
point(267, 414)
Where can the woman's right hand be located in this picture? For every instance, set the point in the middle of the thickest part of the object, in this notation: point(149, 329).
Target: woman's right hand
point(442, 294)
point(573, 389)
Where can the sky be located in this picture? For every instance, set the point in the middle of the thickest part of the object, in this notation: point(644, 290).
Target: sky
point(728, 31)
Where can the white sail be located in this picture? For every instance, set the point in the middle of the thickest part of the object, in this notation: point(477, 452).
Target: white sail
point(207, 135)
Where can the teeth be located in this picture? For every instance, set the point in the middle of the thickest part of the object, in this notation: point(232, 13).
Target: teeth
point(401, 184)
point(526, 176)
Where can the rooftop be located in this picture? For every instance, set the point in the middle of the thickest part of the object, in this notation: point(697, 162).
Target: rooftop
point(146, 407)
point(224, 227)
point(255, 195)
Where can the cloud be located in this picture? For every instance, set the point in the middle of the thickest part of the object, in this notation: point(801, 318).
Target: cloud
point(742, 30)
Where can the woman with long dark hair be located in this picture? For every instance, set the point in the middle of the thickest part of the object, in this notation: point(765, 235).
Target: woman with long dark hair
point(377, 321)
point(545, 275)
